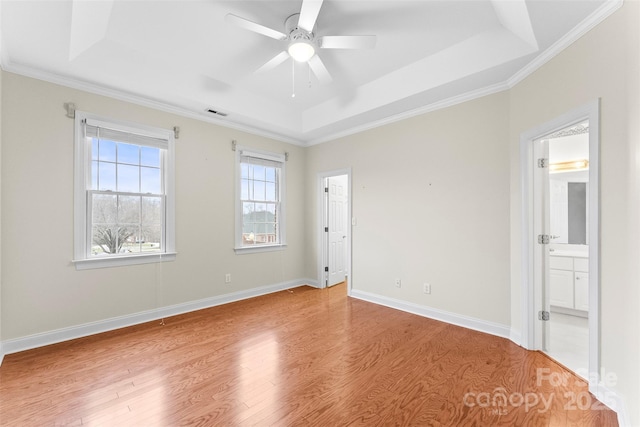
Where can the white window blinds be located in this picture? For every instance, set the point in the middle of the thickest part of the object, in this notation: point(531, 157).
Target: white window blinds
point(97, 129)
point(269, 160)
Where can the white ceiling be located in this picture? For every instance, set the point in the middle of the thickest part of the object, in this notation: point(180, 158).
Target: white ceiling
point(182, 56)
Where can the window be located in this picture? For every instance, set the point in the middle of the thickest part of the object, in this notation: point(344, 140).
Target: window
point(124, 193)
point(260, 221)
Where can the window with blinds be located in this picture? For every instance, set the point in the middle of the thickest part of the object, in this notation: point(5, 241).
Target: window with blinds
point(260, 219)
point(124, 191)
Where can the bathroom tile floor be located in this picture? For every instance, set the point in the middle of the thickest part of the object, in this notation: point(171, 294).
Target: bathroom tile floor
point(569, 342)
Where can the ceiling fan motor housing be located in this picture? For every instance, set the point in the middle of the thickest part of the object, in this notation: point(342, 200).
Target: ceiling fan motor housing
point(296, 33)
point(301, 35)
point(302, 46)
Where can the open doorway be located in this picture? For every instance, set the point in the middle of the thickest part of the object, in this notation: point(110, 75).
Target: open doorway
point(566, 198)
point(335, 240)
point(560, 255)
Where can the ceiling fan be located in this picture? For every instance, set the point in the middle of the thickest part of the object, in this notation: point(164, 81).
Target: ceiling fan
point(302, 42)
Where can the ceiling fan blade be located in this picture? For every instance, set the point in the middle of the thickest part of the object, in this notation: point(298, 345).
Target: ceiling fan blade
point(318, 68)
point(308, 14)
point(256, 28)
point(348, 42)
point(274, 62)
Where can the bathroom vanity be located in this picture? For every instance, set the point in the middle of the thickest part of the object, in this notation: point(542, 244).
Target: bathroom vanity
point(569, 274)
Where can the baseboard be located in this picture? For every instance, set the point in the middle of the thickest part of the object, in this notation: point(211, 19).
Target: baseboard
point(516, 337)
point(312, 282)
point(79, 331)
point(605, 395)
point(614, 402)
point(433, 313)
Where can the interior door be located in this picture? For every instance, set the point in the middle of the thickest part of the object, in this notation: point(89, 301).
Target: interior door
point(562, 329)
point(542, 213)
point(337, 212)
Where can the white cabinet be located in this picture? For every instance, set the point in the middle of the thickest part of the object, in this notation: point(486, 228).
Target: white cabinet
point(561, 288)
point(581, 292)
point(569, 282)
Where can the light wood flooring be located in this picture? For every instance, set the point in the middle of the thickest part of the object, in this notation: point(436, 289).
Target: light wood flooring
point(304, 357)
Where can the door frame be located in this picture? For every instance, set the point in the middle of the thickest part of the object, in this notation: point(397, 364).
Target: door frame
point(531, 327)
point(541, 225)
point(321, 235)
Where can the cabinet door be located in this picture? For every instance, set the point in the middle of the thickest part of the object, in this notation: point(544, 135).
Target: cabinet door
point(561, 288)
point(581, 291)
point(581, 264)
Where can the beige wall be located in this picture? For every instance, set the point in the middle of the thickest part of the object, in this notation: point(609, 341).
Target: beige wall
point(602, 64)
point(431, 195)
point(43, 291)
point(431, 199)
point(437, 199)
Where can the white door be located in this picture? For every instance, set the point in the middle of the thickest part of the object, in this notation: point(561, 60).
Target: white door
point(542, 235)
point(567, 338)
point(537, 261)
point(337, 199)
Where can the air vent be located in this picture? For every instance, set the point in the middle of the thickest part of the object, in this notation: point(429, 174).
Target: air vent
point(216, 112)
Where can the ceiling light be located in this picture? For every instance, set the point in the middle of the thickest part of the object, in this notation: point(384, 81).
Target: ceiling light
point(569, 166)
point(301, 50)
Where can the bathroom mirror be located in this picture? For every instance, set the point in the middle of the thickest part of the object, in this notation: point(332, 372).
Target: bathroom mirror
point(569, 214)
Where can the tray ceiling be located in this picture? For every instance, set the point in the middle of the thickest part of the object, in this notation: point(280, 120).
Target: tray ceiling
point(182, 56)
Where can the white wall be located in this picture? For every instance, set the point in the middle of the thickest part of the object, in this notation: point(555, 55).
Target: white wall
point(431, 199)
point(41, 288)
point(603, 64)
point(1, 335)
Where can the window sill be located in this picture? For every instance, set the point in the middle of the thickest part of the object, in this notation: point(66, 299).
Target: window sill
point(120, 261)
point(256, 249)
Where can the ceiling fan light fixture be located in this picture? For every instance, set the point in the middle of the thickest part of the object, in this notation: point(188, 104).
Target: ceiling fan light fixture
point(301, 50)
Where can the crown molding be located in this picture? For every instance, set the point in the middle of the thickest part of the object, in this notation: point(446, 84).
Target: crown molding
point(579, 129)
point(567, 40)
point(581, 29)
point(445, 103)
point(140, 100)
point(604, 11)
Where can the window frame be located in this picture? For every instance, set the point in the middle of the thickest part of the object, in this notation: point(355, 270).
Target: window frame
point(239, 247)
point(82, 188)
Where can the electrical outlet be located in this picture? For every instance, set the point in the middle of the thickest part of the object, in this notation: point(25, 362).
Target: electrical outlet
point(426, 287)
point(227, 278)
point(398, 283)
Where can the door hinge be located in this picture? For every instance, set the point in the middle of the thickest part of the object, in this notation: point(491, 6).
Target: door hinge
point(326, 189)
point(326, 269)
point(543, 163)
point(543, 315)
point(326, 229)
point(544, 239)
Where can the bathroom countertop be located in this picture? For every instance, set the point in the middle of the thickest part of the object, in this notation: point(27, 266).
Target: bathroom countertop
point(577, 254)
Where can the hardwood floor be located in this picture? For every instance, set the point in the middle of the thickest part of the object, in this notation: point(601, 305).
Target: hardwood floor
point(301, 357)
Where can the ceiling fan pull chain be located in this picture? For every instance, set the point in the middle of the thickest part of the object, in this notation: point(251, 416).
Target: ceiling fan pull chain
point(293, 79)
point(309, 68)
